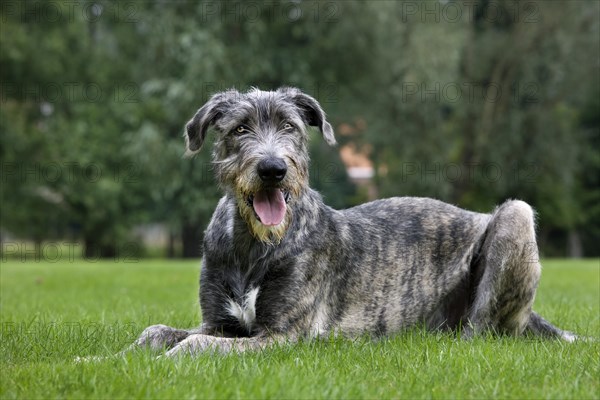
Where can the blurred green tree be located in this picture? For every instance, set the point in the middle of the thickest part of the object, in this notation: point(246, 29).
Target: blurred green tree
point(498, 101)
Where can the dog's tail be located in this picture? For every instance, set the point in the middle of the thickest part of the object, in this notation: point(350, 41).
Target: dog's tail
point(540, 327)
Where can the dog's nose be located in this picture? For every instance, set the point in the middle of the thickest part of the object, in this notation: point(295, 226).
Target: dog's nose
point(272, 170)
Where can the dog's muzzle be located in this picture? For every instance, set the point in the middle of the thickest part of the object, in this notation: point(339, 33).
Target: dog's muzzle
point(270, 202)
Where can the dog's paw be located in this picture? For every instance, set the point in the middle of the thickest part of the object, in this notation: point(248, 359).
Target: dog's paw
point(157, 337)
point(570, 337)
point(199, 343)
point(192, 345)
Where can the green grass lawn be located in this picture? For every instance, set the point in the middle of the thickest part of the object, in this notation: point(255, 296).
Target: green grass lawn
point(53, 312)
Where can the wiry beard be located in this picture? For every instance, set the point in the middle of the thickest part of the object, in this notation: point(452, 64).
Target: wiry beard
point(271, 235)
point(245, 187)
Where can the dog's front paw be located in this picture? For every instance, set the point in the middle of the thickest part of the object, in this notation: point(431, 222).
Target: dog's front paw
point(198, 343)
point(158, 337)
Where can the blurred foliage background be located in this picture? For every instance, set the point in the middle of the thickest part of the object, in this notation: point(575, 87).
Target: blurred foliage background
point(470, 102)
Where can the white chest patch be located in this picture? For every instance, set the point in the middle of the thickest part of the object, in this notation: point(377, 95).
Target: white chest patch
point(246, 312)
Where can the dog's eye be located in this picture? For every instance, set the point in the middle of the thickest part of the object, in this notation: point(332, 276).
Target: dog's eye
point(287, 126)
point(241, 129)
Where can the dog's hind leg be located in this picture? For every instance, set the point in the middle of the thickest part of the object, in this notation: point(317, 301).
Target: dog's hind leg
point(509, 272)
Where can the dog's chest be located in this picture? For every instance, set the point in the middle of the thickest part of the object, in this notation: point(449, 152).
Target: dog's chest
point(244, 310)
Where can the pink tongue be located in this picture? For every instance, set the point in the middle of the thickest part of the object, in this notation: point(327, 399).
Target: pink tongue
point(269, 204)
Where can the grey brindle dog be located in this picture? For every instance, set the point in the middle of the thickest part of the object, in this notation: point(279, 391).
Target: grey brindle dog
point(279, 264)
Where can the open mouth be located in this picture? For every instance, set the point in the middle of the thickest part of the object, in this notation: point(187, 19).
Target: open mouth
point(269, 205)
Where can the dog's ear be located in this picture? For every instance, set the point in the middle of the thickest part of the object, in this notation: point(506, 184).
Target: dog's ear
point(196, 128)
point(312, 113)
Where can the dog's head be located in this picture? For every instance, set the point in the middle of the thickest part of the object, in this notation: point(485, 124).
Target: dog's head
point(260, 153)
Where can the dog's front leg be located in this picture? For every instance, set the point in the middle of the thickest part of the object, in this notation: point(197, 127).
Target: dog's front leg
point(197, 343)
point(160, 337)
